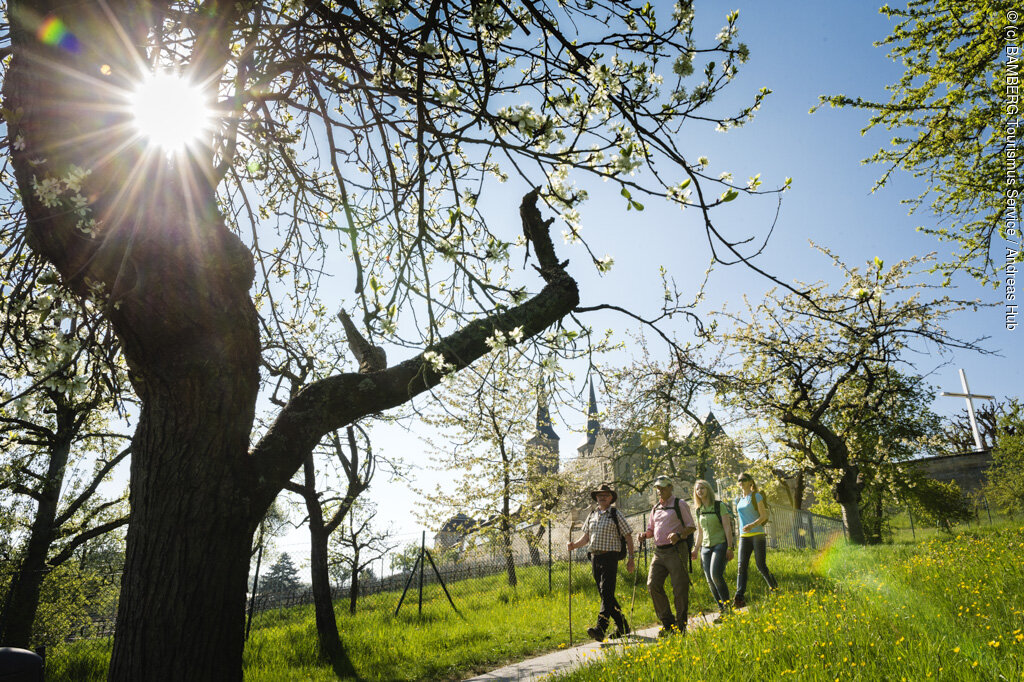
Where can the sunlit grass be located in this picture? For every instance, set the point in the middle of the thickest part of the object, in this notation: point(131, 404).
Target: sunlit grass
point(948, 608)
point(501, 625)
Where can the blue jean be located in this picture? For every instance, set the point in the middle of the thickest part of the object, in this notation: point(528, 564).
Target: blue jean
point(759, 547)
point(713, 560)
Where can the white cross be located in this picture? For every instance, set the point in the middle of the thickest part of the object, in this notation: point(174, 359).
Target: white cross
point(969, 397)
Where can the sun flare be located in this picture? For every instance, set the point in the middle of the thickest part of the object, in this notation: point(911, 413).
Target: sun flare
point(170, 112)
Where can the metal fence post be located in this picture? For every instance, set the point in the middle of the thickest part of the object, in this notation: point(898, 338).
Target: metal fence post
point(987, 509)
point(550, 560)
point(910, 513)
point(423, 548)
point(255, 585)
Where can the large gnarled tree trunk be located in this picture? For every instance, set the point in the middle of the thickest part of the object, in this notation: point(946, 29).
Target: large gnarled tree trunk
point(151, 247)
point(838, 467)
point(846, 491)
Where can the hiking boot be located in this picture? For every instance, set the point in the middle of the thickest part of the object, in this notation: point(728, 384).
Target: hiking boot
point(596, 633)
point(739, 602)
point(668, 630)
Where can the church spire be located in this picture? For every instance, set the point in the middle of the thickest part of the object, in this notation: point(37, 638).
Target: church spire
point(593, 425)
point(544, 426)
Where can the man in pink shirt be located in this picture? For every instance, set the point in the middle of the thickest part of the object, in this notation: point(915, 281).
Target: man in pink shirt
point(671, 522)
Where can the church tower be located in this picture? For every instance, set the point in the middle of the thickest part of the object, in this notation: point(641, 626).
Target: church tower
point(544, 446)
point(593, 425)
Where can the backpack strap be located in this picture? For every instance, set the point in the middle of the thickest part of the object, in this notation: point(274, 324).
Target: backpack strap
point(679, 514)
point(615, 518)
point(689, 539)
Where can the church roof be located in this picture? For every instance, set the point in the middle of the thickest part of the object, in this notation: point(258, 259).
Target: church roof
point(711, 423)
point(458, 523)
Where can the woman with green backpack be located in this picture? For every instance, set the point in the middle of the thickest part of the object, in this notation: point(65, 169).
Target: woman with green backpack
point(714, 541)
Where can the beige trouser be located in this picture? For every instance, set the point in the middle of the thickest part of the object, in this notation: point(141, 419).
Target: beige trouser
point(667, 562)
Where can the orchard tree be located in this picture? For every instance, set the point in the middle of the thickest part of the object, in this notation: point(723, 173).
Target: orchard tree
point(62, 388)
point(273, 525)
point(406, 559)
point(485, 421)
point(352, 139)
point(325, 513)
point(958, 434)
point(1005, 486)
point(948, 113)
point(821, 371)
point(294, 356)
point(358, 547)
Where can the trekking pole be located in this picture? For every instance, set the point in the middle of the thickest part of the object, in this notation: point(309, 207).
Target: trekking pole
point(570, 586)
point(632, 601)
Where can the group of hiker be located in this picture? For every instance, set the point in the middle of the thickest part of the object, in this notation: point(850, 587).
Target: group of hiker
point(677, 539)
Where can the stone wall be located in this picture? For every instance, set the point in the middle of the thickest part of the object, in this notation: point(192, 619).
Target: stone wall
point(968, 470)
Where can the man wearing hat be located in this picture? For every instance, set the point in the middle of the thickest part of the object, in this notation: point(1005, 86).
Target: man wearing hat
point(670, 523)
point(604, 531)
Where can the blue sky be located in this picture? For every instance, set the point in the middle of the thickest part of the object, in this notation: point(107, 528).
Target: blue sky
point(799, 50)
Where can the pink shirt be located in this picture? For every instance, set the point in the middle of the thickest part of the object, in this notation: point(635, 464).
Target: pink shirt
point(664, 521)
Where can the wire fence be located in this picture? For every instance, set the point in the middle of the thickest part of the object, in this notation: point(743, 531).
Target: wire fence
point(533, 561)
point(73, 604)
point(903, 524)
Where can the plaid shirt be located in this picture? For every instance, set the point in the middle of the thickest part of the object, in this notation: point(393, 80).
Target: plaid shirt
point(604, 535)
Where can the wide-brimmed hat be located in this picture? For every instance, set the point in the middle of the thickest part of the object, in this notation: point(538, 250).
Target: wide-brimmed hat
point(603, 488)
point(663, 482)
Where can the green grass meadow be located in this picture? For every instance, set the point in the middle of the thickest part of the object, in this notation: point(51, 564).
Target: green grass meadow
point(945, 608)
point(499, 625)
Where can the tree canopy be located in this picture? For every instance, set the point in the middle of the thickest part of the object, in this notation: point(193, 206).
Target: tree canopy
point(823, 372)
point(948, 113)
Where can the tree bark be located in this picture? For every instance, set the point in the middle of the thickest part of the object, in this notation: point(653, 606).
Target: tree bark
point(847, 493)
point(533, 542)
point(847, 490)
point(353, 586)
point(190, 534)
point(506, 551)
